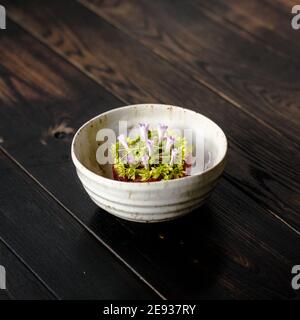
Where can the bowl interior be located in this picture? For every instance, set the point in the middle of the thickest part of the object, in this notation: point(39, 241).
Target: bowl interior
point(208, 140)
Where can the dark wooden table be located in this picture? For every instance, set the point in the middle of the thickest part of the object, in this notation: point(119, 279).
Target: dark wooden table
point(63, 62)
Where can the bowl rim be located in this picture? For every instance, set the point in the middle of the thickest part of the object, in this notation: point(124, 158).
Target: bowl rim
point(96, 177)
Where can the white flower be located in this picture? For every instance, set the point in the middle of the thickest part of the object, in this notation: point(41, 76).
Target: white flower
point(149, 144)
point(144, 127)
point(170, 143)
point(174, 154)
point(122, 139)
point(145, 159)
point(162, 128)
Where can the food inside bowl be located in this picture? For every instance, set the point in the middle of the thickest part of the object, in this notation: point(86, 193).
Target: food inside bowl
point(152, 155)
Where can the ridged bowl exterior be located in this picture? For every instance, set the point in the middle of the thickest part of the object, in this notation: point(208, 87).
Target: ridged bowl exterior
point(149, 201)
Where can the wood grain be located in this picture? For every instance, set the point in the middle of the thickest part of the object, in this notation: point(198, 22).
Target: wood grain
point(260, 81)
point(283, 5)
point(267, 175)
point(230, 248)
point(258, 20)
point(59, 250)
point(21, 283)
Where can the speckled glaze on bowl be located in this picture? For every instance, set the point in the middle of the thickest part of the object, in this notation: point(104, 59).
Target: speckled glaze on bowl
point(149, 201)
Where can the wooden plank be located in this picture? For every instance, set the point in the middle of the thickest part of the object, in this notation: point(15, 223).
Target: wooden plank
point(242, 70)
point(283, 5)
point(21, 283)
point(262, 20)
point(59, 250)
point(268, 175)
point(230, 248)
point(221, 251)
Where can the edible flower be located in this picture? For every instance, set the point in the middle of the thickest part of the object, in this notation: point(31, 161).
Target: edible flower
point(145, 159)
point(161, 130)
point(174, 153)
point(149, 144)
point(152, 155)
point(170, 143)
point(130, 159)
point(144, 127)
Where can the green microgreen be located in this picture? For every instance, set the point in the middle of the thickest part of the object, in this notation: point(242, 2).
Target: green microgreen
point(164, 159)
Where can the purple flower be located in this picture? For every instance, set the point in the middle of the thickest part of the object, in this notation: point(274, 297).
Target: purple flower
point(189, 159)
point(144, 127)
point(145, 159)
point(170, 143)
point(149, 144)
point(174, 153)
point(162, 128)
point(122, 139)
point(130, 159)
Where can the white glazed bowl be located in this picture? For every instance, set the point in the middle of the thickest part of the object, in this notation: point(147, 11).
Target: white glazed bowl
point(149, 201)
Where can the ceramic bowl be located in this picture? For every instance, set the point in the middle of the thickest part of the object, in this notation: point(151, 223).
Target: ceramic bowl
point(150, 201)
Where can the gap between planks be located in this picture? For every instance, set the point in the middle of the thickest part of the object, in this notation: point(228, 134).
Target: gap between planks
point(78, 67)
point(204, 83)
point(82, 224)
point(18, 257)
point(239, 29)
